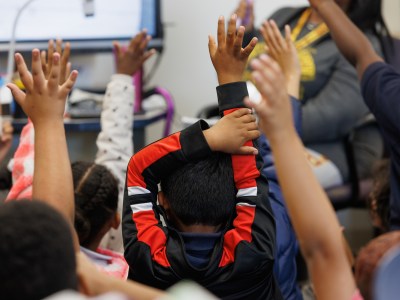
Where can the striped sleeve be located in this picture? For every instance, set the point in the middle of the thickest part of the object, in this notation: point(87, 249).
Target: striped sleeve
point(254, 223)
point(141, 225)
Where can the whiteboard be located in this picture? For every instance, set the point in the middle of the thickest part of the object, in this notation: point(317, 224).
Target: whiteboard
point(49, 19)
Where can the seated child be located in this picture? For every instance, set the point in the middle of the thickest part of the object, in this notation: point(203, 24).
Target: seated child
point(226, 244)
point(94, 197)
point(96, 203)
point(38, 253)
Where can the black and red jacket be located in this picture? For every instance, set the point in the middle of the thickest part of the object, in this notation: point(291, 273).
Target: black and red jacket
point(241, 265)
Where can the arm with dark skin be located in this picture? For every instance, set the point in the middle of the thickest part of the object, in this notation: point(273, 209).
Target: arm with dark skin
point(351, 42)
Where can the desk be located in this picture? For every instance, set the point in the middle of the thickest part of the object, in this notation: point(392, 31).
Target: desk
point(140, 122)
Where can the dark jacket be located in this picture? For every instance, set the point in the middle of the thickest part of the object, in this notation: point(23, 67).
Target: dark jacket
point(241, 265)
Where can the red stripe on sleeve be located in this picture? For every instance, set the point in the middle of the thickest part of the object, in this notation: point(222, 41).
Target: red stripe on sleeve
point(152, 235)
point(245, 169)
point(241, 232)
point(148, 156)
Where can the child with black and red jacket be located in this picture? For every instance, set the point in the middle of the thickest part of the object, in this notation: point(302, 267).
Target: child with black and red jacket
point(223, 242)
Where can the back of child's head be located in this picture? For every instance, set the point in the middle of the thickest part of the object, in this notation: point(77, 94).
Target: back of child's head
point(369, 258)
point(96, 199)
point(37, 257)
point(378, 201)
point(203, 192)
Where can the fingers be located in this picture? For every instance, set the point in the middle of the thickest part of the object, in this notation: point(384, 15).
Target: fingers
point(69, 83)
point(43, 61)
point(212, 45)
point(117, 48)
point(148, 54)
point(137, 40)
point(50, 52)
point(221, 32)
point(230, 37)
point(249, 48)
point(288, 35)
point(18, 95)
point(37, 72)
point(277, 38)
point(65, 61)
point(24, 74)
point(67, 71)
point(54, 73)
point(237, 46)
point(247, 150)
point(59, 46)
point(241, 112)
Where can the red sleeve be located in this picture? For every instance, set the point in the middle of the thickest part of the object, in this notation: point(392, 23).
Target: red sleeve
point(141, 225)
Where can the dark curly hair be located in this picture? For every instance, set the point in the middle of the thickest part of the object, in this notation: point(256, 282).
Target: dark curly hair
point(37, 256)
point(96, 199)
point(203, 192)
point(379, 198)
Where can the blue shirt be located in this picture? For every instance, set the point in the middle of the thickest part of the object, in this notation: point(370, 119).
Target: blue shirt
point(199, 247)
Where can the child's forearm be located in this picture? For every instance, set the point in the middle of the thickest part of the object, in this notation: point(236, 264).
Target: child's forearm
point(351, 42)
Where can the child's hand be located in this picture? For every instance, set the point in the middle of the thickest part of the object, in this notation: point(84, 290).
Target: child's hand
point(44, 100)
point(245, 13)
point(283, 51)
point(231, 132)
point(130, 60)
point(47, 62)
point(274, 110)
point(228, 57)
point(5, 139)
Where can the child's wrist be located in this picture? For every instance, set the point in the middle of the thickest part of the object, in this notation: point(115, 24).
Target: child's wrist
point(228, 78)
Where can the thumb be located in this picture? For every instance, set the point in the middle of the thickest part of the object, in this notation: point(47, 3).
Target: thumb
point(18, 95)
point(247, 150)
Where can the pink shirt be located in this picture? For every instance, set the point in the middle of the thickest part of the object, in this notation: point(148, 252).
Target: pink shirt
point(357, 296)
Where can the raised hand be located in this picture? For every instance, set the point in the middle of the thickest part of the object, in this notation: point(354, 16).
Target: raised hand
point(228, 57)
point(129, 60)
point(274, 109)
point(47, 59)
point(245, 14)
point(231, 132)
point(44, 99)
point(5, 138)
point(284, 52)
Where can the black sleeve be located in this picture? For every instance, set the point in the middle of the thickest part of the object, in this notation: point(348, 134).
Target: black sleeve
point(254, 222)
point(141, 226)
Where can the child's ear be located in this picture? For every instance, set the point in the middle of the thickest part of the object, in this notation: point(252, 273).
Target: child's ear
point(163, 201)
point(116, 220)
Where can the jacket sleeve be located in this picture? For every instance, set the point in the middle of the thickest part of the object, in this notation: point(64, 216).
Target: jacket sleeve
point(115, 141)
point(254, 222)
point(381, 89)
point(141, 225)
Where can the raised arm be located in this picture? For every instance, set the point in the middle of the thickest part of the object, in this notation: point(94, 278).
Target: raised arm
point(312, 215)
point(351, 42)
point(23, 166)
point(283, 51)
point(254, 222)
point(44, 104)
point(141, 225)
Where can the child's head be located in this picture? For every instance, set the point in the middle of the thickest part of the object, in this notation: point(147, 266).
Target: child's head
point(201, 193)
point(369, 258)
point(96, 202)
point(37, 256)
point(378, 200)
